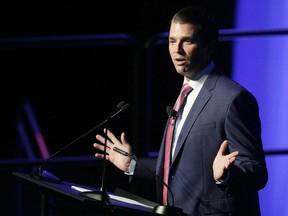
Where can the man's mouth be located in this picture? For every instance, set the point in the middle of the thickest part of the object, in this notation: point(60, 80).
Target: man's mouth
point(180, 61)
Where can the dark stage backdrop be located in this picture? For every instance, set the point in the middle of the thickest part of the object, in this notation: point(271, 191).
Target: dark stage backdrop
point(73, 87)
point(73, 62)
point(70, 89)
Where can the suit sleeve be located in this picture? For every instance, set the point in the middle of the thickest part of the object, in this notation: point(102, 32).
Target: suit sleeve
point(243, 131)
point(145, 168)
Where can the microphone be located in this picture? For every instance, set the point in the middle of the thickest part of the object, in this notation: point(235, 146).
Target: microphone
point(168, 210)
point(171, 112)
point(45, 175)
point(102, 194)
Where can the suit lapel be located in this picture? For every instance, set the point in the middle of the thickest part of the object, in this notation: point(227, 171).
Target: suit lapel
point(200, 102)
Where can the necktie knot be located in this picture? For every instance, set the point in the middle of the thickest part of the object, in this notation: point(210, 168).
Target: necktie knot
point(185, 90)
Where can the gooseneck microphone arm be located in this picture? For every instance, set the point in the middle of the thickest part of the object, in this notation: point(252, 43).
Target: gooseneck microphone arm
point(126, 154)
point(102, 194)
point(103, 185)
point(44, 175)
point(161, 209)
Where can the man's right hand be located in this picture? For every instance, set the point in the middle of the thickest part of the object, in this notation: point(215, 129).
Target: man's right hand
point(120, 161)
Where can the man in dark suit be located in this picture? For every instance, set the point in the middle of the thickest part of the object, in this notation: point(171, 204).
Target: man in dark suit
point(217, 164)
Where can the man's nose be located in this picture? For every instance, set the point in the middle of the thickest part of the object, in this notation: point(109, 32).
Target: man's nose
point(179, 48)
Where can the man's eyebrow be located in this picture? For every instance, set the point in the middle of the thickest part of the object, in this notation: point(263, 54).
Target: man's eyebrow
point(188, 37)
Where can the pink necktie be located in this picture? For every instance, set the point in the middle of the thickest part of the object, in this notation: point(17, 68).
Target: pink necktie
point(186, 89)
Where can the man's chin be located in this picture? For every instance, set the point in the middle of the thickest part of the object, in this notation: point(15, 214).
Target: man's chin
point(182, 70)
point(182, 73)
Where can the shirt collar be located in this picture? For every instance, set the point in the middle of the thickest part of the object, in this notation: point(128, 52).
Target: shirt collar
point(201, 77)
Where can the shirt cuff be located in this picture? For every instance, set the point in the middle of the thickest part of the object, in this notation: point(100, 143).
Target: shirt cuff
point(131, 167)
point(223, 181)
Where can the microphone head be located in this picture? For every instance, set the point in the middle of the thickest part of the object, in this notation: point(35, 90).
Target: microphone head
point(171, 112)
point(125, 107)
point(119, 105)
point(122, 106)
point(168, 109)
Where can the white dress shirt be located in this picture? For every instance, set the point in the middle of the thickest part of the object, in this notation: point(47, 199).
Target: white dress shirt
point(196, 83)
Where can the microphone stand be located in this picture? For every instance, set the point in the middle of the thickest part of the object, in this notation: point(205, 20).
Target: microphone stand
point(169, 209)
point(102, 194)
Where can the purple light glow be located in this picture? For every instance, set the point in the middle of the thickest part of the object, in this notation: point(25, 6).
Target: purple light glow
point(260, 64)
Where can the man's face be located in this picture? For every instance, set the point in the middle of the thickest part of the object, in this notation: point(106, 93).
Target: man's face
point(188, 54)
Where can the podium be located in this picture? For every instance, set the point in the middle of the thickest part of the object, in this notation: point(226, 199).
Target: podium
point(65, 199)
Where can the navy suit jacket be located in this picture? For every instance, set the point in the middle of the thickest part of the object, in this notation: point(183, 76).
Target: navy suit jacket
point(222, 110)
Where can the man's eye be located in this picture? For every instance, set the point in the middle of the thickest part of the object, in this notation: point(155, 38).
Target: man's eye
point(190, 41)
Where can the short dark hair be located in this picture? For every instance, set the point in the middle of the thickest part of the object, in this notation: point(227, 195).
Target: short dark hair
point(202, 19)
